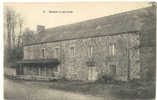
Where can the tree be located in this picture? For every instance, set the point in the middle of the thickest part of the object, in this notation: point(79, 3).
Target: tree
point(28, 36)
point(20, 23)
point(148, 42)
point(12, 21)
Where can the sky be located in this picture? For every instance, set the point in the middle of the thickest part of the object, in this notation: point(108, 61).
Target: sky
point(39, 13)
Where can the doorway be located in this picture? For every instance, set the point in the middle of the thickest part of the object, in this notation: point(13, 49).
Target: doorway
point(92, 73)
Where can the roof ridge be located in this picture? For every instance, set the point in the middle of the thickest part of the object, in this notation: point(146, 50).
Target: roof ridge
point(117, 14)
point(116, 23)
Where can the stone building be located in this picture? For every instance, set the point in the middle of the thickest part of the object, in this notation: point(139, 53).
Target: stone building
point(87, 50)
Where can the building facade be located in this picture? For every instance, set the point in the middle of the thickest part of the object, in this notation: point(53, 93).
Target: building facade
point(107, 46)
point(114, 55)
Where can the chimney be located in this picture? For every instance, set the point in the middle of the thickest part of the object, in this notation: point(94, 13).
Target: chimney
point(40, 28)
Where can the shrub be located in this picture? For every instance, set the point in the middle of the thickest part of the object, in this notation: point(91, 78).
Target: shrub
point(135, 83)
point(146, 92)
point(105, 79)
point(137, 89)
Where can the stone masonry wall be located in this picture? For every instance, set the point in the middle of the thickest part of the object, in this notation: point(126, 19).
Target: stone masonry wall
point(74, 66)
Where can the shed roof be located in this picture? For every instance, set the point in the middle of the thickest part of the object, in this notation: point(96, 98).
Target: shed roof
point(39, 61)
point(108, 25)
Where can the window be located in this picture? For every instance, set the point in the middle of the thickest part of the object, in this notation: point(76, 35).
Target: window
point(54, 69)
point(90, 51)
point(72, 51)
point(112, 49)
point(43, 52)
point(112, 69)
point(29, 68)
point(56, 52)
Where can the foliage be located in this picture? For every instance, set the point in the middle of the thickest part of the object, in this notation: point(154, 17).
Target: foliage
point(148, 18)
point(13, 55)
point(148, 41)
point(13, 49)
point(137, 89)
point(28, 36)
point(105, 79)
point(13, 24)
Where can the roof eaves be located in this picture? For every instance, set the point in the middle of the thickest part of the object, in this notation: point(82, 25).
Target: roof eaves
point(129, 32)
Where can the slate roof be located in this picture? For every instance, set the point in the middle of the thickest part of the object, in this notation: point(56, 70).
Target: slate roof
point(108, 25)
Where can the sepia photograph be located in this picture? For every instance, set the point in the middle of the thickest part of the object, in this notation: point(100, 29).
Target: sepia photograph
point(79, 50)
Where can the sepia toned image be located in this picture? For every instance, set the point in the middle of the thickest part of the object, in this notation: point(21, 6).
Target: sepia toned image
point(79, 51)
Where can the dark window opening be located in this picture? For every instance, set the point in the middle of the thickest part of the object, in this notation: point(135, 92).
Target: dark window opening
point(43, 52)
point(112, 69)
point(56, 52)
point(72, 51)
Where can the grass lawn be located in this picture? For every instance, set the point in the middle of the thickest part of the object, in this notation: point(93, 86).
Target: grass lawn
point(82, 87)
point(116, 89)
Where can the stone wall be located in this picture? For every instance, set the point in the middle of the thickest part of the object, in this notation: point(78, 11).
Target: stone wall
point(75, 67)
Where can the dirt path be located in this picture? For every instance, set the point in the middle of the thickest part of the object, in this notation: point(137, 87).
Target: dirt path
point(18, 91)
